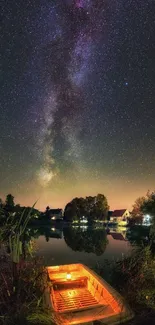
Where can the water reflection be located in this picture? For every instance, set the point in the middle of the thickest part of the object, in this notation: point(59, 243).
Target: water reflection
point(138, 235)
point(85, 239)
point(46, 231)
point(88, 245)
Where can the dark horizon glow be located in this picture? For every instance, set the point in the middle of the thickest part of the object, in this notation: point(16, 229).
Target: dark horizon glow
point(77, 101)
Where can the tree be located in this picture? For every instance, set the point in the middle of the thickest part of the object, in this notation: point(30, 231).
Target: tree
point(9, 202)
point(90, 202)
point(143, 206)
point(137, 211)
point(80, 207)
point(74, 210)
point(92, 207)
point(47, 209)
point(97, 207)
point(148, 206)
point(101, 207)
point(1, 203)
point(47, 215)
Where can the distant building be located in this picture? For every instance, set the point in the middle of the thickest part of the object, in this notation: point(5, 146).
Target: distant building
point(120, 215)
point(109, 214)
point(55, 214)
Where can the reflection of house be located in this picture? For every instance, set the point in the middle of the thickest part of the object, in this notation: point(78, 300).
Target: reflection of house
point(55, 214)
point(120, 215)
point(56, 233)
point(117, 236)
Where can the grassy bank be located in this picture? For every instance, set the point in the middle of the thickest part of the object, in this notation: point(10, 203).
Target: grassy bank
point(134, 278)
point(22, 292)
point(21, 277)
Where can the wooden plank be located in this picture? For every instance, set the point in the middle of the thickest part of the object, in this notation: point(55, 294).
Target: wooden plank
point(74, 299)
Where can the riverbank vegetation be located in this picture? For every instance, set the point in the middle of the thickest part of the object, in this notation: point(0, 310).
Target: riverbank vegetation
point(21, 277)
point(134, 278)
point(21, 274)
point(144, 206)
point(134, 275)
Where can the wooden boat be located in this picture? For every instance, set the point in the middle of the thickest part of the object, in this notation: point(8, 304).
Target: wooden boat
point(79, 296)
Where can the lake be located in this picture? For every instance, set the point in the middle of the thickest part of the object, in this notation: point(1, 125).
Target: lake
point(90, 246)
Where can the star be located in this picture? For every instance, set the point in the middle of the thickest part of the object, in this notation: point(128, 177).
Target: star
point(77, 100)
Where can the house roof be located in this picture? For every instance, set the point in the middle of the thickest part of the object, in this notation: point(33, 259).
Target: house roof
point(55, 211)
point(117, 236)
point(118, 213)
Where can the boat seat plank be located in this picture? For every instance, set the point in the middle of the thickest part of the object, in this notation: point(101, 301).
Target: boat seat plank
point(74, 299)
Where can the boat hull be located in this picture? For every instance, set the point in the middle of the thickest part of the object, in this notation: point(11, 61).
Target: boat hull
point(83, 298)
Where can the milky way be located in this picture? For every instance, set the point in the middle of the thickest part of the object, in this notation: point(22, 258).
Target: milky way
point(67, 60)
point(77, 100)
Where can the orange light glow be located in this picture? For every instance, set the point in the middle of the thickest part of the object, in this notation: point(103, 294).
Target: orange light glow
point(68, 276)
point(87, 293)
point(72, 293)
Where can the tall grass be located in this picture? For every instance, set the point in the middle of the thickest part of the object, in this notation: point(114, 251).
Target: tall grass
point(21, 278)
point(134, 277)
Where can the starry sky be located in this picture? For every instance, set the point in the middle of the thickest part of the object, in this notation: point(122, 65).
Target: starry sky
point(77, 109)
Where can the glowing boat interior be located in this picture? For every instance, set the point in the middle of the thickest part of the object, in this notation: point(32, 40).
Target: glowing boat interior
point(79, 295)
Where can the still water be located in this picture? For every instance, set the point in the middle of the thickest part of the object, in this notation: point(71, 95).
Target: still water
point(91, 246)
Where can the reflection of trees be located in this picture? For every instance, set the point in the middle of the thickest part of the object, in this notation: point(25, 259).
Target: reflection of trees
point(46, 231)
point(89, 241)
point(137, 235)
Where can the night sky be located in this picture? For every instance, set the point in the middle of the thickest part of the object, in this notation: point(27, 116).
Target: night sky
point(77, 114)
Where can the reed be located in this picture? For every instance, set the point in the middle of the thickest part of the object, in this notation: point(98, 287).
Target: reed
point(21, 274)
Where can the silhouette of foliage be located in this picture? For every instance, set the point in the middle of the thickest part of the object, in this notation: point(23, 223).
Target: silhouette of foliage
point(89, 241)
point(92, 207)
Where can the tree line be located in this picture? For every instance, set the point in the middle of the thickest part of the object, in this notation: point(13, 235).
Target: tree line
point(9, 210)
point(144, 205)
point(90, 207)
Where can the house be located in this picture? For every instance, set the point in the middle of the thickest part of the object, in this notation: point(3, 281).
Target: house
point(120, 215)
point(109, 215)
point(55, 214)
